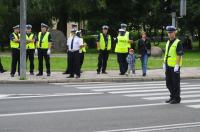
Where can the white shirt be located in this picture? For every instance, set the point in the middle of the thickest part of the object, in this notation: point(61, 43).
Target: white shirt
point(76, 43)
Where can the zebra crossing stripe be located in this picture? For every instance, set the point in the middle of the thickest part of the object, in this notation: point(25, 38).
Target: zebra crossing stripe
point(118, 85)
point(165, 97)
point(151, 90)
point(194, 106)
point(122, 89)
point(155, 94)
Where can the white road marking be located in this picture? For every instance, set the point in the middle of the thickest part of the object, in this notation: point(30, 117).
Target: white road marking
point(163, 93)
point(151, 90)
point(121, 89)
point(116, 85)
point(154, 128)
point(165, 97)
point(47, 95)
point(81, 110)
point(197, 106)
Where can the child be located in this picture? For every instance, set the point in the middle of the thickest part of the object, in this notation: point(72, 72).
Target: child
point(131, 59)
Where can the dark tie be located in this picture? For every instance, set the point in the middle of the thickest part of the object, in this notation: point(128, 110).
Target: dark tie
point(72, 43)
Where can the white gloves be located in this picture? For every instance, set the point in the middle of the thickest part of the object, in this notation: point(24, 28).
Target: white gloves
point(36, 51)
point(164, 66)
point(176, 68)
point(48, 51)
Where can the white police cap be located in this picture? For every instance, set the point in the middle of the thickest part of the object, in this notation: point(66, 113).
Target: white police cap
point(15, 27)
point(121, 30)
point(170, 28)
point(29, 26)
point(44, 25)
point(105, 27)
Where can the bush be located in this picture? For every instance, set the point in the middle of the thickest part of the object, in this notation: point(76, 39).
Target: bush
point(90, 40)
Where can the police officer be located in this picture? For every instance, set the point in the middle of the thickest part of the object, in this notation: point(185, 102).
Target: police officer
point(30, 47)
point(2, 70)
point(74, 44)
point(15, 49)
point(172, 64)
point(121, 48)
point(104, 47)
point(75, 27)
point(44, 42)
point(127, 34)
point(83, 49)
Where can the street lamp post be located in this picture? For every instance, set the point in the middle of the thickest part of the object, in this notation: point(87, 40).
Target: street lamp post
point(23, 8)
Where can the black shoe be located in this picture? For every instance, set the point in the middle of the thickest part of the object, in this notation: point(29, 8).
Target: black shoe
point(144, 74)
point(121, 73)
point(12, 75)
point(48, 74)
point(98, 72)
point(39, 74)
point(70, 77)
point(65, 73)
point(168, 101)
point(2, 71)
point(104, 73)
point(175, 101)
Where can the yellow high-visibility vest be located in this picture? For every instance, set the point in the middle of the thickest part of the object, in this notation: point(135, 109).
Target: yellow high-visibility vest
point(103, 44)
point(45, 41)
point(127, 35)
point(83, 49)
point(171, 57)
point(30, 38)
point(122, 44)
point(14, 44)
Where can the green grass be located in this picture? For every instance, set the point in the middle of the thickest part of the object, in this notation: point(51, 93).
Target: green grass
point(190, 59)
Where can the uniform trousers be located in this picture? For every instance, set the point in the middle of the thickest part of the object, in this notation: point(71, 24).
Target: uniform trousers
point(42, 53)
point(102, 60)
point(173, 83)
point(15, 61)
point(123, 65)
point(74, 63)
point(82, 55)
point(30, 57)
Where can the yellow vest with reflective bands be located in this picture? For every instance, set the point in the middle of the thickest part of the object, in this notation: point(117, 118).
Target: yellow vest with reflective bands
point(103, 44)
point(171, 57)
point(14, 44)
point(127, 35)
point(122, 44)
point(45, 41)
point(30, 38)
point(83, 49)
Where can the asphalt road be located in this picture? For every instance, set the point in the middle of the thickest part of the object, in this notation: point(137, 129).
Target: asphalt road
point(98, 107)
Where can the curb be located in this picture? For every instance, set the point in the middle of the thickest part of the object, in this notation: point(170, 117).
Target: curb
point(90, 80)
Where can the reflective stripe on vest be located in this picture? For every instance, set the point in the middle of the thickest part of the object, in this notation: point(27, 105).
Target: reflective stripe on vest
point(30, 45)
point(103, 44)
point(121, 46)
point(83, 49)
point(127, 35)
point(171, 57)
point(14, 44)
point(45, 41)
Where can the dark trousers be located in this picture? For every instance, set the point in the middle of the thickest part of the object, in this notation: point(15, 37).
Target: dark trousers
point(82, 55)
point(67, 69)
point(42, 53)
point(15, 60)
point(102, 60)
point(123, 65)
point(30, 57)
point(173, 82)
point(74, 63)
point(1, 66)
